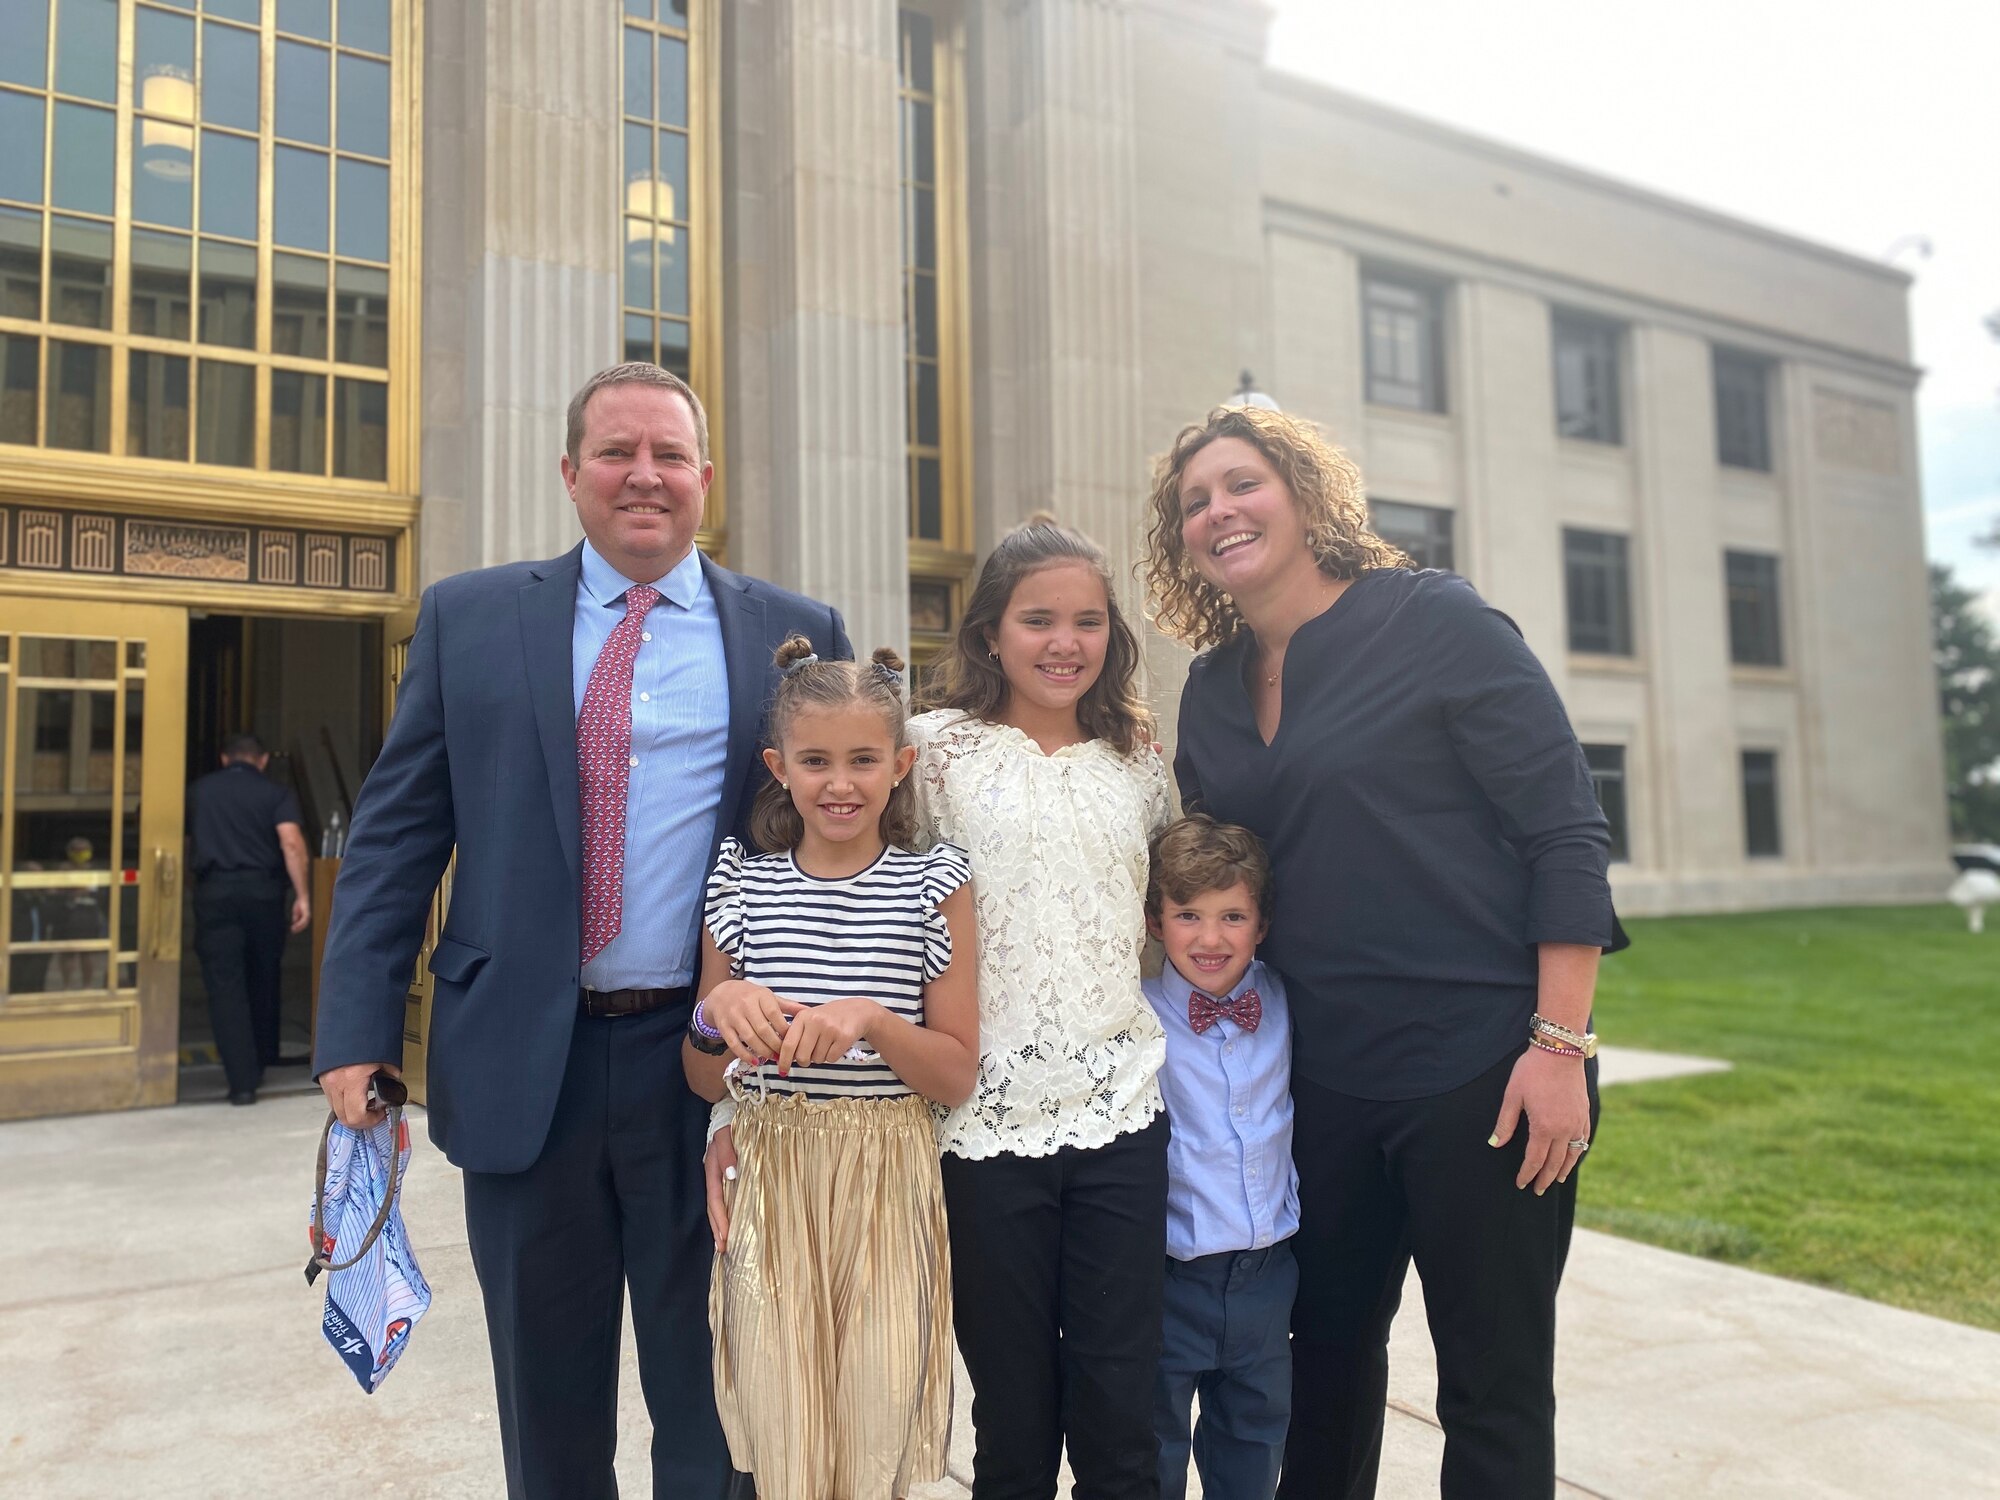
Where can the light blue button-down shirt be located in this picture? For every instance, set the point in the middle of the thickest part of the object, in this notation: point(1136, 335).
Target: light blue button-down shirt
point(680, 746)
point(1231, 1184)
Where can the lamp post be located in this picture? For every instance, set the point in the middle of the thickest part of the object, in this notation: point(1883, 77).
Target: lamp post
point(1247, 394)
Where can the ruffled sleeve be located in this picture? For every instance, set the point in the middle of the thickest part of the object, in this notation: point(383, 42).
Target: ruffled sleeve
point(947, 868)
point(722, 910)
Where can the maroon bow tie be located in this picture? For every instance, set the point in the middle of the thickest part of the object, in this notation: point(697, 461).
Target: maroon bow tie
point(1246, 1010)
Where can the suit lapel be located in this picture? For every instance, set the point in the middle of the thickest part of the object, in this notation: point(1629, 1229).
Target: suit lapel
point(747, 659)
point(548, 629)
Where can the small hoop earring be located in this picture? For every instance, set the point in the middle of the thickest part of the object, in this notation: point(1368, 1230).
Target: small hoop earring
point(993, 656)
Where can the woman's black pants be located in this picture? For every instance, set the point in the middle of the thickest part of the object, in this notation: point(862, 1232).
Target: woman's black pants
point(1382, 1183)
point(1058, 1277)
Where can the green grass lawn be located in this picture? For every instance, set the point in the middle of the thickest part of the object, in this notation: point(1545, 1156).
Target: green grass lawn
point(1857, 1142)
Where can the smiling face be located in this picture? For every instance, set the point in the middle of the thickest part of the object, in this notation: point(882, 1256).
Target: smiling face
point(841, 764)
point(1051, 640)
point(638, 481)
point(1211, 937)
point(1240, 524)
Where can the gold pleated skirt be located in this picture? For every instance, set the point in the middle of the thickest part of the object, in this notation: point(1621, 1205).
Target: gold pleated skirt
point(831, 1308)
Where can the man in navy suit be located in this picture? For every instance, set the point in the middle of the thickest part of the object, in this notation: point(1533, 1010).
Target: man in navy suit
point(563, 975)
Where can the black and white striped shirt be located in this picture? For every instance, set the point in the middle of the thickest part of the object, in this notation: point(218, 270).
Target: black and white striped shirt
point(878, 934)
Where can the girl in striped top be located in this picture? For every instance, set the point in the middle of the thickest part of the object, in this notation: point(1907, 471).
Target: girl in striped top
point(839, 1003)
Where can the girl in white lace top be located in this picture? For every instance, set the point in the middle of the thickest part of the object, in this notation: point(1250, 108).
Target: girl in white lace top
point(1039, 765)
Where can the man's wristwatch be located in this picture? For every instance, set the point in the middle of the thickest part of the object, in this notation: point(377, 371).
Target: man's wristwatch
point(704, 1037)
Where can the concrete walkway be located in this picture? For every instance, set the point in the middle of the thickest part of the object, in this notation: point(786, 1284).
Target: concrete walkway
point(157, 1339)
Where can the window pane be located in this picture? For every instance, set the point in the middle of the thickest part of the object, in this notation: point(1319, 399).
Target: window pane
point(228, 419)
point(85, 146)
point(303, 97)
point(20, 387)
point(1423, 531)
point(924, 401)
point(673, 82)
point(161, 268)
point(916, 47)
point(79, 396)
point(228, 185)
point(643, 9)
point(163, 63)
point(20, 264)
point(156, 410)
point(674, 346)
point(236, 10)
point(361, 315)
point(163, 173)
point(298, 422)
point(638, 263)
point(298, 308)
point(80, 272)
point(304, 18)
point(1756, 635)
point(1742, 411)
point(301, 210)
point(673, 271)
point(232, 68)
point(365, 24)
point(1760, 804)
point(923, 329)
point(638, 337)
point(639, 195)
point(228, 295)
point(671, 192)
point(364, 105)
point(1402, 348)
point(361, 429)
point(919, 142)
point(1607, 779)
point(21, 121)
point(638, 73)
point(87, 48)
point(363, 204)
point(930, 500)
point(24, 43)
point(920, 228)
point(1598, 584)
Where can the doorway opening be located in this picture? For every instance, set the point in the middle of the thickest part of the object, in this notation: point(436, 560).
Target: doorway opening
point(311, 690)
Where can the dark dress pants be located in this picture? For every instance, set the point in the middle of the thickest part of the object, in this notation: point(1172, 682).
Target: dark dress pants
point(1380, 1183)
point(1057, 1271)
point(240, 926)
point(1229, 1340)
point(615, 1200)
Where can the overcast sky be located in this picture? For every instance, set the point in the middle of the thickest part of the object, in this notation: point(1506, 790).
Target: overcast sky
point(1855, 124)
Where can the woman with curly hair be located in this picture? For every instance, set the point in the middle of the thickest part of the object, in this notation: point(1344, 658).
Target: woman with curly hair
point(1440, 903)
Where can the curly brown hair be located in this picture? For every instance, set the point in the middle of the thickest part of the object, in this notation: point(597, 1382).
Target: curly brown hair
point(1196, 854)
point(806, 682)
point(1325, 486)
point(967, 677)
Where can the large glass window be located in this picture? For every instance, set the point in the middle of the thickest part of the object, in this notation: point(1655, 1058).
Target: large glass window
point(1423, 531)
point(1403, 340)
point(1597, 573)
point(176, 237)
point(1742, 410)
point(936, 461)
point(1586, 370)
point(659, 211)
point(1760, 804)
point(1607, 779)
point(1756, 631)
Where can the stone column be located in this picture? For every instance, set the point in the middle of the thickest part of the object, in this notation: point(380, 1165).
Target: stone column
point(815, 306)
point(521, 265)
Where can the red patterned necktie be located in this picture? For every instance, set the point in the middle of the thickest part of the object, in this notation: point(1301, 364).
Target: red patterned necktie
point(604, 764)
point(1246, 1010)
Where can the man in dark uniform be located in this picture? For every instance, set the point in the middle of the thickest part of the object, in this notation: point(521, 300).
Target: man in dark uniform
point(247, 845)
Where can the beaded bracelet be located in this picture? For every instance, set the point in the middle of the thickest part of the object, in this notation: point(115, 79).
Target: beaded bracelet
point(1583, 1042)
point(1536, 1040)
point(702, 1036)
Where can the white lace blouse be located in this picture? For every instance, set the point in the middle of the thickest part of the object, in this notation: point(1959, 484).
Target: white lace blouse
point(1069, 1049)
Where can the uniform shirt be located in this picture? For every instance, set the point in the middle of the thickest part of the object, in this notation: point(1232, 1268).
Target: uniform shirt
point(1231, 1184)
point(1429, 818)
point(680, 739)
point(233, 818)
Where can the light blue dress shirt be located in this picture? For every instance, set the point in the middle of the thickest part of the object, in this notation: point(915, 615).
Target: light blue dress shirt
point(1231, 1184)
point(680, 746)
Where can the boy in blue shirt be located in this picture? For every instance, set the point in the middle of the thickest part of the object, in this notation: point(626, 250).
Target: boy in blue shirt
point(1232, 1191)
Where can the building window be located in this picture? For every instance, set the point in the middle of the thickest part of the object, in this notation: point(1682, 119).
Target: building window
point(1597, 572)
point(1403, 332)
point(202, 230)
point(1742, 410)
point(1423, 531)
point(1607, 779)
point(1587, 384)
point(1756, 637)
point(937, 458)
point(1760, 804)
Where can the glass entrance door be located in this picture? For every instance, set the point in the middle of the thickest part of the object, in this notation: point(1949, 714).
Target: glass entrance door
point(93, 720)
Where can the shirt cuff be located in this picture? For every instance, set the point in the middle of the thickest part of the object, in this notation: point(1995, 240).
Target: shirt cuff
point(1572, 906)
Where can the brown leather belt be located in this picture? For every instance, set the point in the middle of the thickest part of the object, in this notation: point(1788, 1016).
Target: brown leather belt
point(630, 1002)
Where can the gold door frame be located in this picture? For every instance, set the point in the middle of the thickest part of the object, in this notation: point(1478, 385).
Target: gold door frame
point(103, 1037)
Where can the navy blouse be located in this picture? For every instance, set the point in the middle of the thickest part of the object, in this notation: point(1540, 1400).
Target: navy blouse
point(1429, 817)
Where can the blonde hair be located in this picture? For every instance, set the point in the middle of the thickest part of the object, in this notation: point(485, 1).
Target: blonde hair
point(966, 676)
point(1196, 854)
point(1325, 485)
point(806, 682)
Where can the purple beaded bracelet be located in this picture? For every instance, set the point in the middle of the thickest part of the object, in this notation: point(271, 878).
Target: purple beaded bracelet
point(701, 1025)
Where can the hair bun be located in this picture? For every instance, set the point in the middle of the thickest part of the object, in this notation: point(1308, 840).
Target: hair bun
point(885, 656)
point(793, 653)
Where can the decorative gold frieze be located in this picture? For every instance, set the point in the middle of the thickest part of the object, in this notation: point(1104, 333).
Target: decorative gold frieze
point(278, 557)
point(179, 549)
point(93, 544)
point(82, 542)
point(368, 562)
point(322, 561)
point(41, 539)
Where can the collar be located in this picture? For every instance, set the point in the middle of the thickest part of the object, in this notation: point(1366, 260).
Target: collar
point(1247, 982)
point(607, 585)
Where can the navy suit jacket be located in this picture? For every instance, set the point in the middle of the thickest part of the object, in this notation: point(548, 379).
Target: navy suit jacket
point(481, 756)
